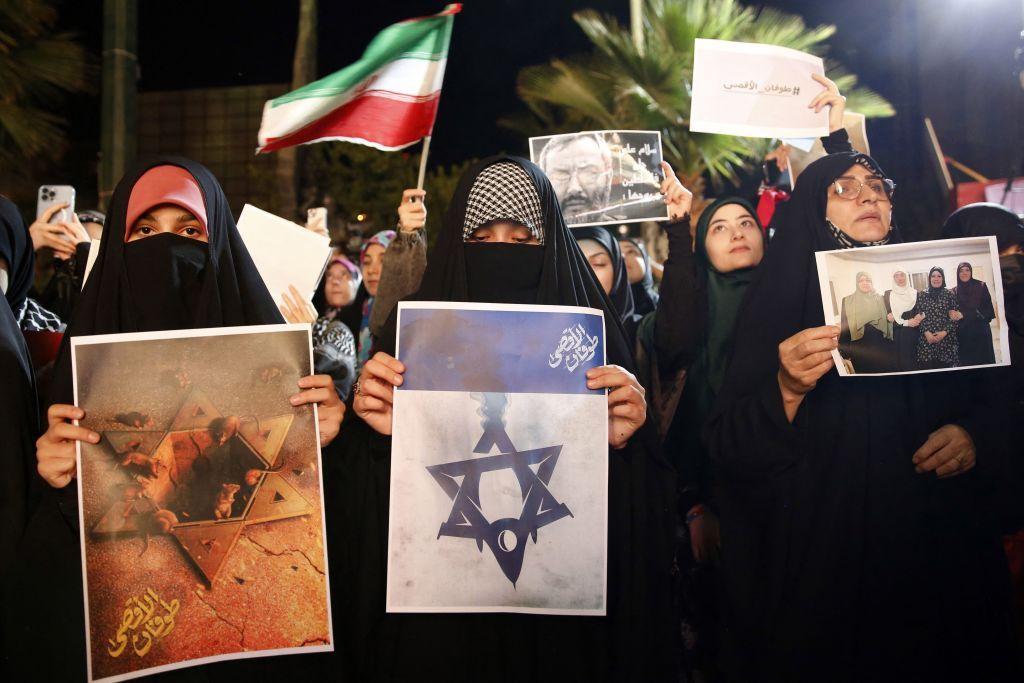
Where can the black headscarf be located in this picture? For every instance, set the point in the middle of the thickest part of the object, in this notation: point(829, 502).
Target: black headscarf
point(933, 288)
point(554, 273)
point(645, 294)
point(621, 294)
point(985, 219)
point(832, 544)
point(16, 249)
point(634, 641)
point(167, 282)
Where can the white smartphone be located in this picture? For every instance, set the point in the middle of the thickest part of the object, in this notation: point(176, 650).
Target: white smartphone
point(316, 220)
point(50, 195)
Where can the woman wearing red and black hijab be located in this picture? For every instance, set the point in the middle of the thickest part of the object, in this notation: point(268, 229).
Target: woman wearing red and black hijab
point(504, 240)
point(171, 258)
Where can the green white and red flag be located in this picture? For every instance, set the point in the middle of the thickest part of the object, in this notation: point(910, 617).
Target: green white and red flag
point(388, 99)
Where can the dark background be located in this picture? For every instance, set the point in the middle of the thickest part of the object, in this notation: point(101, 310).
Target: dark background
point(951, 60)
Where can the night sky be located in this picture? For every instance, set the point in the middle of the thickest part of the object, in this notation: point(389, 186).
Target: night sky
point(923, 56)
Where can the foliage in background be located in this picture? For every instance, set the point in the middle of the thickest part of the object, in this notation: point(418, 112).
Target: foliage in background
point(38, 67)
point(354, 179)
point(619, 86)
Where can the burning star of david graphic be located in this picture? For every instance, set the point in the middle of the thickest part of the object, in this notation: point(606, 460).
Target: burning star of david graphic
point(202, 479)
point(506, 537)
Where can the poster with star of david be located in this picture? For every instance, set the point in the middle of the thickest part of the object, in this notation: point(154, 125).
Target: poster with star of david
point(200, 509)
point(499, 461)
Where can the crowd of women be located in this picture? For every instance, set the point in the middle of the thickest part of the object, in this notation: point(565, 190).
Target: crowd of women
point(768, 520)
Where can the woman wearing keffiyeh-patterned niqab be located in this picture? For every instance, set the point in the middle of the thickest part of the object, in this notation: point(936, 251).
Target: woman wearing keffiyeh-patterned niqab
point(632, 643)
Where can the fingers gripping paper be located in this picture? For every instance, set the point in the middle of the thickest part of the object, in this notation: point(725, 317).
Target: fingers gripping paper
point(753, 90)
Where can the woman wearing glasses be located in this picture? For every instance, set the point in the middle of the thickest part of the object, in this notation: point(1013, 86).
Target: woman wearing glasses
point(856, 539)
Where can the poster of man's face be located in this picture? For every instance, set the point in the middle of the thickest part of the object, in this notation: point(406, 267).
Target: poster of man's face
point(603, 177)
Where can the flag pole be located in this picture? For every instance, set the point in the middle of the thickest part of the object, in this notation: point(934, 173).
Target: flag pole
point(423, 162)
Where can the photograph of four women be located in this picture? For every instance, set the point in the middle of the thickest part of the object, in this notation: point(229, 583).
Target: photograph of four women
point(932, 316)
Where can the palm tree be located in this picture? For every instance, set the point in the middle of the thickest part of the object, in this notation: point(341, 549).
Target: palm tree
point(37, 67)
point(621, 86)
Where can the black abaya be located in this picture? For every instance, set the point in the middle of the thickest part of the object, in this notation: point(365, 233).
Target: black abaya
point(19, 421)
point(974, 333)
point(634, 642)
point(841, 562)
point(45, 635)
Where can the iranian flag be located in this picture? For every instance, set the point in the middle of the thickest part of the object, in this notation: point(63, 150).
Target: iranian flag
point(388, 99)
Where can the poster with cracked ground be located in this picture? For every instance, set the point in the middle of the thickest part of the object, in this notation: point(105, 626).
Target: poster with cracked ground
point(499, 461)
point(201, 512)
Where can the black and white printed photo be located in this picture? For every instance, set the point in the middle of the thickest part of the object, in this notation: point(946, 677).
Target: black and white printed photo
point(600, 177)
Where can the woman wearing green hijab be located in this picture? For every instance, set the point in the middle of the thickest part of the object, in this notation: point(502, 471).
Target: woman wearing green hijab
point(865, 337)
point(728, 246)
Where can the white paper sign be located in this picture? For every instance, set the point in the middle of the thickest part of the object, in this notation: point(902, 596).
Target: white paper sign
point(285, 253)
point(753, 90)
point(499, 461)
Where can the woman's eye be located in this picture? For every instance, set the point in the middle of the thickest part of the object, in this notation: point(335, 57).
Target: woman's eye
point(191, 232)
point(718, 228)
point(144, 229)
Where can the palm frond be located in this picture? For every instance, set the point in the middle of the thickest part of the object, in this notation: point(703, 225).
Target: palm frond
point(619, 86)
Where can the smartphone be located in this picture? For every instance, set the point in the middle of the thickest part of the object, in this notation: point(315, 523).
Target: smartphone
point(56, 194)
point(316, 220)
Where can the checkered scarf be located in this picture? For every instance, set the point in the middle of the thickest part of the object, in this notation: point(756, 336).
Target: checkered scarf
point(503, 192)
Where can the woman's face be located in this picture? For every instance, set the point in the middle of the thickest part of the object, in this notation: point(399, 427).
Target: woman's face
point(503, 232)
point(935, 279)
point(964, 274)
point(900, 278)
point(373, 259)
point(865, 285)
point(734, 240)
point(167, 218)
point(635, 264)
point(338, 286)
point(600, 262)
point(866, 218)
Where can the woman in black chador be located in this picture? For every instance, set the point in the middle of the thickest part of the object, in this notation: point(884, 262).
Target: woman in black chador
point(858, 515)
point(975, 313)
point(171, 258)
point(503, 241)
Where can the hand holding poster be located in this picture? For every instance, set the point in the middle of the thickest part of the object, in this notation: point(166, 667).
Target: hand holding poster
point(499, 469)
point(601, 177)
point(754, 90)
point(201, 512)
point(286, 254)
point(917, 307)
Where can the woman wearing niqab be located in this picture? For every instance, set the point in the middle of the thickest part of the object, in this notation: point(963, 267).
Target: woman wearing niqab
point(634, 641)
point(144, 279)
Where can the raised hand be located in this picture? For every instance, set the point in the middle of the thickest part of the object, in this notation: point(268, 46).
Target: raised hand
point(831, 98)
point(677, 197)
